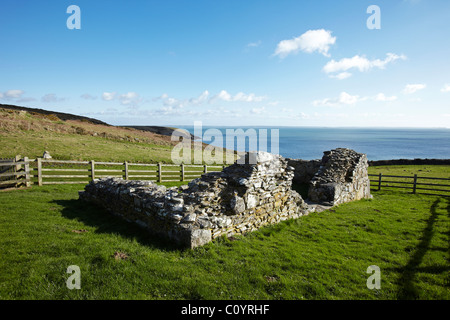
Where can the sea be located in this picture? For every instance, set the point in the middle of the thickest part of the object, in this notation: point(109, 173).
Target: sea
point(310, 142)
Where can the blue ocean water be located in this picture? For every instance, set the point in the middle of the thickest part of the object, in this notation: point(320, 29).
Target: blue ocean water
point(378, 143)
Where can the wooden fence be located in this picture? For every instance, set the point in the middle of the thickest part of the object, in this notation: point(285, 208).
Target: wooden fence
point(412, 183)
point(14, 172)
point(84, 171)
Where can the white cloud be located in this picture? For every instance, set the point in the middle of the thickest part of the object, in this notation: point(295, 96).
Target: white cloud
point(310, 41)
point(342, 75)
point(258, 110)
point(240, 97)
point(358, 62)
point(347, 99)
point(200, 99)
point(51, 97)
point(223, 95)
point(384, 98)
point(411, 88)
point(13, 94)
point(108, 96)
point(16, 95)
point(343, 99)
point(87, 96)
point(130, 98)
point(254, 44)
point(446, 88)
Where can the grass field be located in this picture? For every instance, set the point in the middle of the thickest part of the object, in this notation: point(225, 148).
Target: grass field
point(43, 230)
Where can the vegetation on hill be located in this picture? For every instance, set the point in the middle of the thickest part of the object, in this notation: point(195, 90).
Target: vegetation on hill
point(30, 133)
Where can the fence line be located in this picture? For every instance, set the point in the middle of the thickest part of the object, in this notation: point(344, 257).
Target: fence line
point(15, 172)
point(414, 185)
point(150, 171)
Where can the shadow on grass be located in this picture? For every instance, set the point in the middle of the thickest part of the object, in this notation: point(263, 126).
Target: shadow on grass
point(406, 288)
point(105, 222)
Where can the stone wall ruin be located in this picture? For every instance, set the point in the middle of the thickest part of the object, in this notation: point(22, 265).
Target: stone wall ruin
point(240, 199)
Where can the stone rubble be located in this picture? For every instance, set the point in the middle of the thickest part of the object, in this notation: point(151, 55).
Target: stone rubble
point(242, 198)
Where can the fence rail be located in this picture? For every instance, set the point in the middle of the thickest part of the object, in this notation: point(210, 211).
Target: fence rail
point(412, 183)
point(92, 169)
point(14, 172)
point(18, 171)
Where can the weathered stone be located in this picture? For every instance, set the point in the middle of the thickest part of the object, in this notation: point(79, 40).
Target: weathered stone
point(237, 204)
point(241, 198)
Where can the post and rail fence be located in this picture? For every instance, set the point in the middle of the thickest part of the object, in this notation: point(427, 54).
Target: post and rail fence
point(15, 172)
point(85, 171)
point(414, 183)
point(18, 172)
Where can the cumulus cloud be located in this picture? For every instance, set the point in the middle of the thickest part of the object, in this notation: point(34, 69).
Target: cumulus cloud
point(258, 110)
point(384, 98)
point(51, 97)
point(347, 99)
point(446, 88)
point(203, 97)
point(412, 88)
point(341, 76)
point(254, 44)
point(360, 63)
point(310, 41)
point(130, 98)
point(88, 96)
point(13, 94)
point(108, 96)
point(239, 97)
point(343, 99)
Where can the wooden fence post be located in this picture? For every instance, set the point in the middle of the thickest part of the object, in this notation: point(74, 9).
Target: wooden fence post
point(92, 169)
point(27, 172)
point(16, 169)
point(379, 182)
point(159, 172)
point(126, 170)
point(39, 168)
point(415, 183)
point(205, 169)
point(182, 172)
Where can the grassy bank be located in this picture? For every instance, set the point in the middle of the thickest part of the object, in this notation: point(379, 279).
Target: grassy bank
point(320, 256)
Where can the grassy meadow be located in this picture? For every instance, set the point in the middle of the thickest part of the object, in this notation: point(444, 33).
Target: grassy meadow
point(43, 230)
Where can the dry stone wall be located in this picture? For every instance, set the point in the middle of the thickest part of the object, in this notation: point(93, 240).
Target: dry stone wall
point(241, 198)
point(342, 177)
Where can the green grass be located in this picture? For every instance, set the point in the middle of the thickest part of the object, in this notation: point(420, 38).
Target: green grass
point(319, 256)
point(63, 146)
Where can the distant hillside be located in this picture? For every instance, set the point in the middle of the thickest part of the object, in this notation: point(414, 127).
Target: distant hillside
point(29, 132)
point(165, 131)
point(60, 115)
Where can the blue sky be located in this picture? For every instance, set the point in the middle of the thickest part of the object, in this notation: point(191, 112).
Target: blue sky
point(231, 63)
